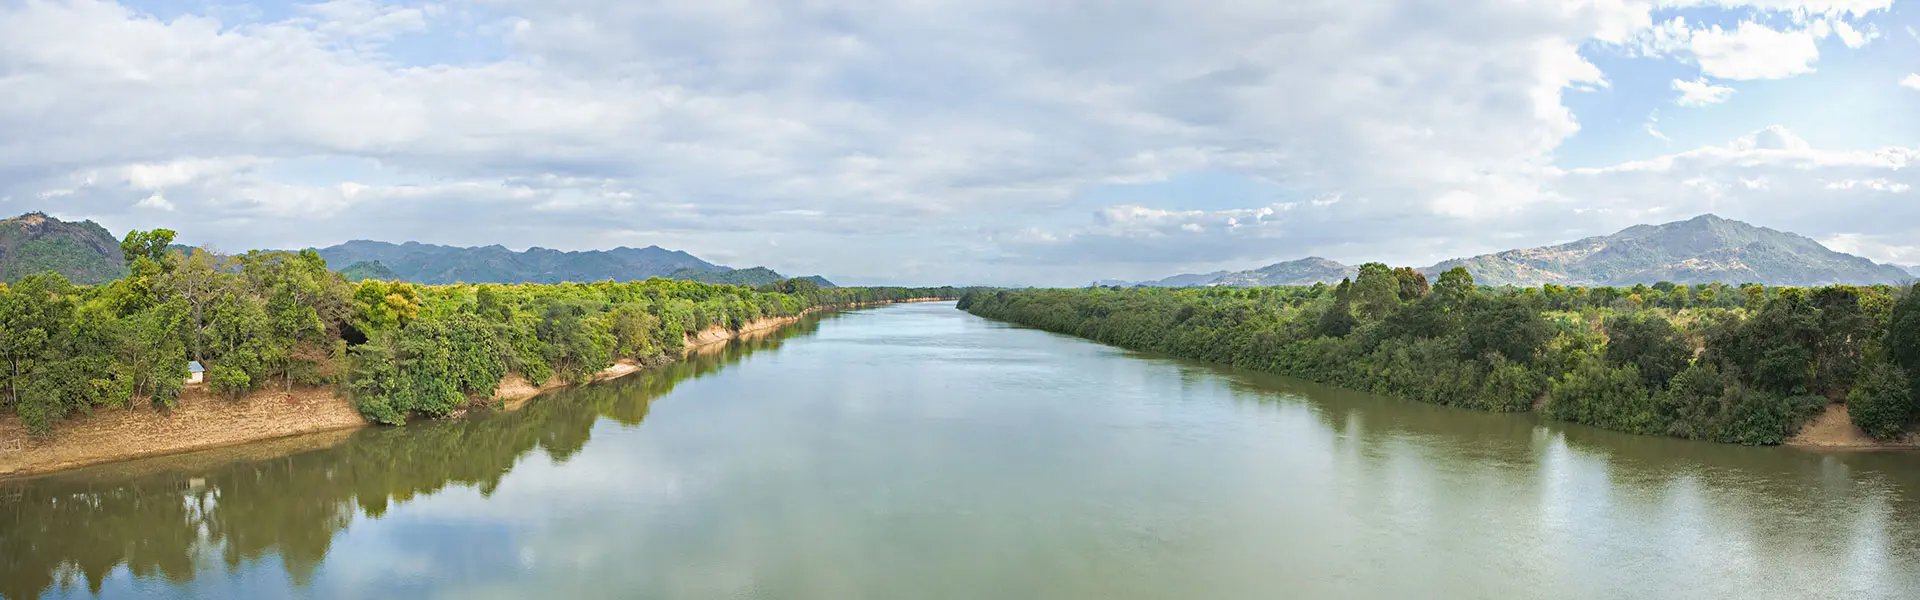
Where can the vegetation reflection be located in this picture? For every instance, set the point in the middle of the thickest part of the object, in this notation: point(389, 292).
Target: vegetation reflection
point(172, 523)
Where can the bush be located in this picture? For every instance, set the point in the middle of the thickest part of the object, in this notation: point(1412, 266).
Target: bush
point(1509, 387)
point(1761, 418)
point(1611, 397)
point(1690, 405)
point(229, 380)
point(1882, 402)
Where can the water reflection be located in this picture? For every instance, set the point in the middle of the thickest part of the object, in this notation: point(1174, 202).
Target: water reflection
point(915, 451)
point(172, 518)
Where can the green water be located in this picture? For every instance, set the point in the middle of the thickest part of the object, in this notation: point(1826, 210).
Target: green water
point(915, 451)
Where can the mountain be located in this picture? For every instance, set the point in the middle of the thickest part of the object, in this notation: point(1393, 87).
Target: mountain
point(1181, 280)
point(430, 263)
point(1912, 270)
point(1306, 271)
point(435, 264)
point(1187, 279)
point(818, 280)
point(1704, 249)
point(34, 243)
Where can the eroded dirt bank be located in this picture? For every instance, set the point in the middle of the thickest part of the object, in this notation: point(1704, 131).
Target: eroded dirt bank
point(203, 420)
point(1834, 429)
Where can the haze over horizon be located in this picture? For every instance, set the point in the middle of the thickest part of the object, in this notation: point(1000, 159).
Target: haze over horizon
point(967, 142)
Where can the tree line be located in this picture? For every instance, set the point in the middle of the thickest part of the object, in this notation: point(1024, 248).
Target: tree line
point(1742, 364)
point(398, 349)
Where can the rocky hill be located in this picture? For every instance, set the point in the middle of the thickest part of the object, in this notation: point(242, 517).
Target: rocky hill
point(1305, 271)
point(34, 243)
point(1704, 249)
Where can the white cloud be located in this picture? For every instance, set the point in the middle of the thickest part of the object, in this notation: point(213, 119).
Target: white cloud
point(155, 202)
point(1879, 248)
point(1911, 81)
point(1753, 51)
point(1700, 92)
point(366, 19)
point(865, 136)
point(1652, 127)
point(1876, 184)
point(1853, 8)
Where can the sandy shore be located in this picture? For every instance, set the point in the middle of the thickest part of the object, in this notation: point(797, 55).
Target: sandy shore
point(203, 420)
point(1834, 429)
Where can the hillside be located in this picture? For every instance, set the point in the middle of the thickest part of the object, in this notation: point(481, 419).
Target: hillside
point(1704, 249)
point(430, 263)
point(1305, 271)
point(34, 242)
point(1187, 279)
point(362, 271)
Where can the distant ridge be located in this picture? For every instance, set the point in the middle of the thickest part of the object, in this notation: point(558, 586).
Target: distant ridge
point(437, 264)
point(87, 253)
point(1305, 271)
point(1704, 249)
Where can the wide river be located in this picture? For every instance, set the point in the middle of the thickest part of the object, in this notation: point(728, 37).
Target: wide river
point(915, 451)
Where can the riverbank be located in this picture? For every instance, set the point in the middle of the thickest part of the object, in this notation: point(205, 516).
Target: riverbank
point(1415, 351)
point(1834, 429)
point(203, 421)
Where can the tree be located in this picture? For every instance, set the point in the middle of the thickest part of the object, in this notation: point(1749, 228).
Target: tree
point(1413, 284)
point(302, 299)
point(150, 245)
point(382, 305)
point(199, 279)
point(1882, 404)
point(1902, 340)
point(1505, 327)
point(1845, 329)
point(1456, 289)
point(1337, 320)
point(1376, 292)
point(33, 314)
point(1649, 343)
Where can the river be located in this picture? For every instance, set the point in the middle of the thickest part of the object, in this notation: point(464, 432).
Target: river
point(915, 451)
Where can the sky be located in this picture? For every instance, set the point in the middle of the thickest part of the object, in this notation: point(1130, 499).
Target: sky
point(966, 141)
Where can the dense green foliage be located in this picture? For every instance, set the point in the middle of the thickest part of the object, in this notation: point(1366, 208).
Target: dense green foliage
point(1745, 364)
point(283, 319)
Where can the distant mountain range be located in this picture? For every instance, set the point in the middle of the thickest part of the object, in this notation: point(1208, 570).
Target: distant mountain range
point(1704, 249)
point(87, 253)
point(436, 264)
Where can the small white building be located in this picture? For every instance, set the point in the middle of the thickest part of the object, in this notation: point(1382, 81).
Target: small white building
point(195, 372)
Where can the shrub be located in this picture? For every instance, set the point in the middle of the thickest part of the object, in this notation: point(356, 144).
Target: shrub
point(1596, 394)
point(1509, 387)
point(1882, 401)
point(229, 380)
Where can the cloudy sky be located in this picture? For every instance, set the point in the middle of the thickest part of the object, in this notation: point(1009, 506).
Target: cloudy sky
point(966, 141)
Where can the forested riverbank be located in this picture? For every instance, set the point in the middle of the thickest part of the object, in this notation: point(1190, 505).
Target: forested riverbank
point(284, 322)
point(1740, 364)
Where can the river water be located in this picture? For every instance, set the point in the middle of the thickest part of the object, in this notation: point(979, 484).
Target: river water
point(915, 451)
